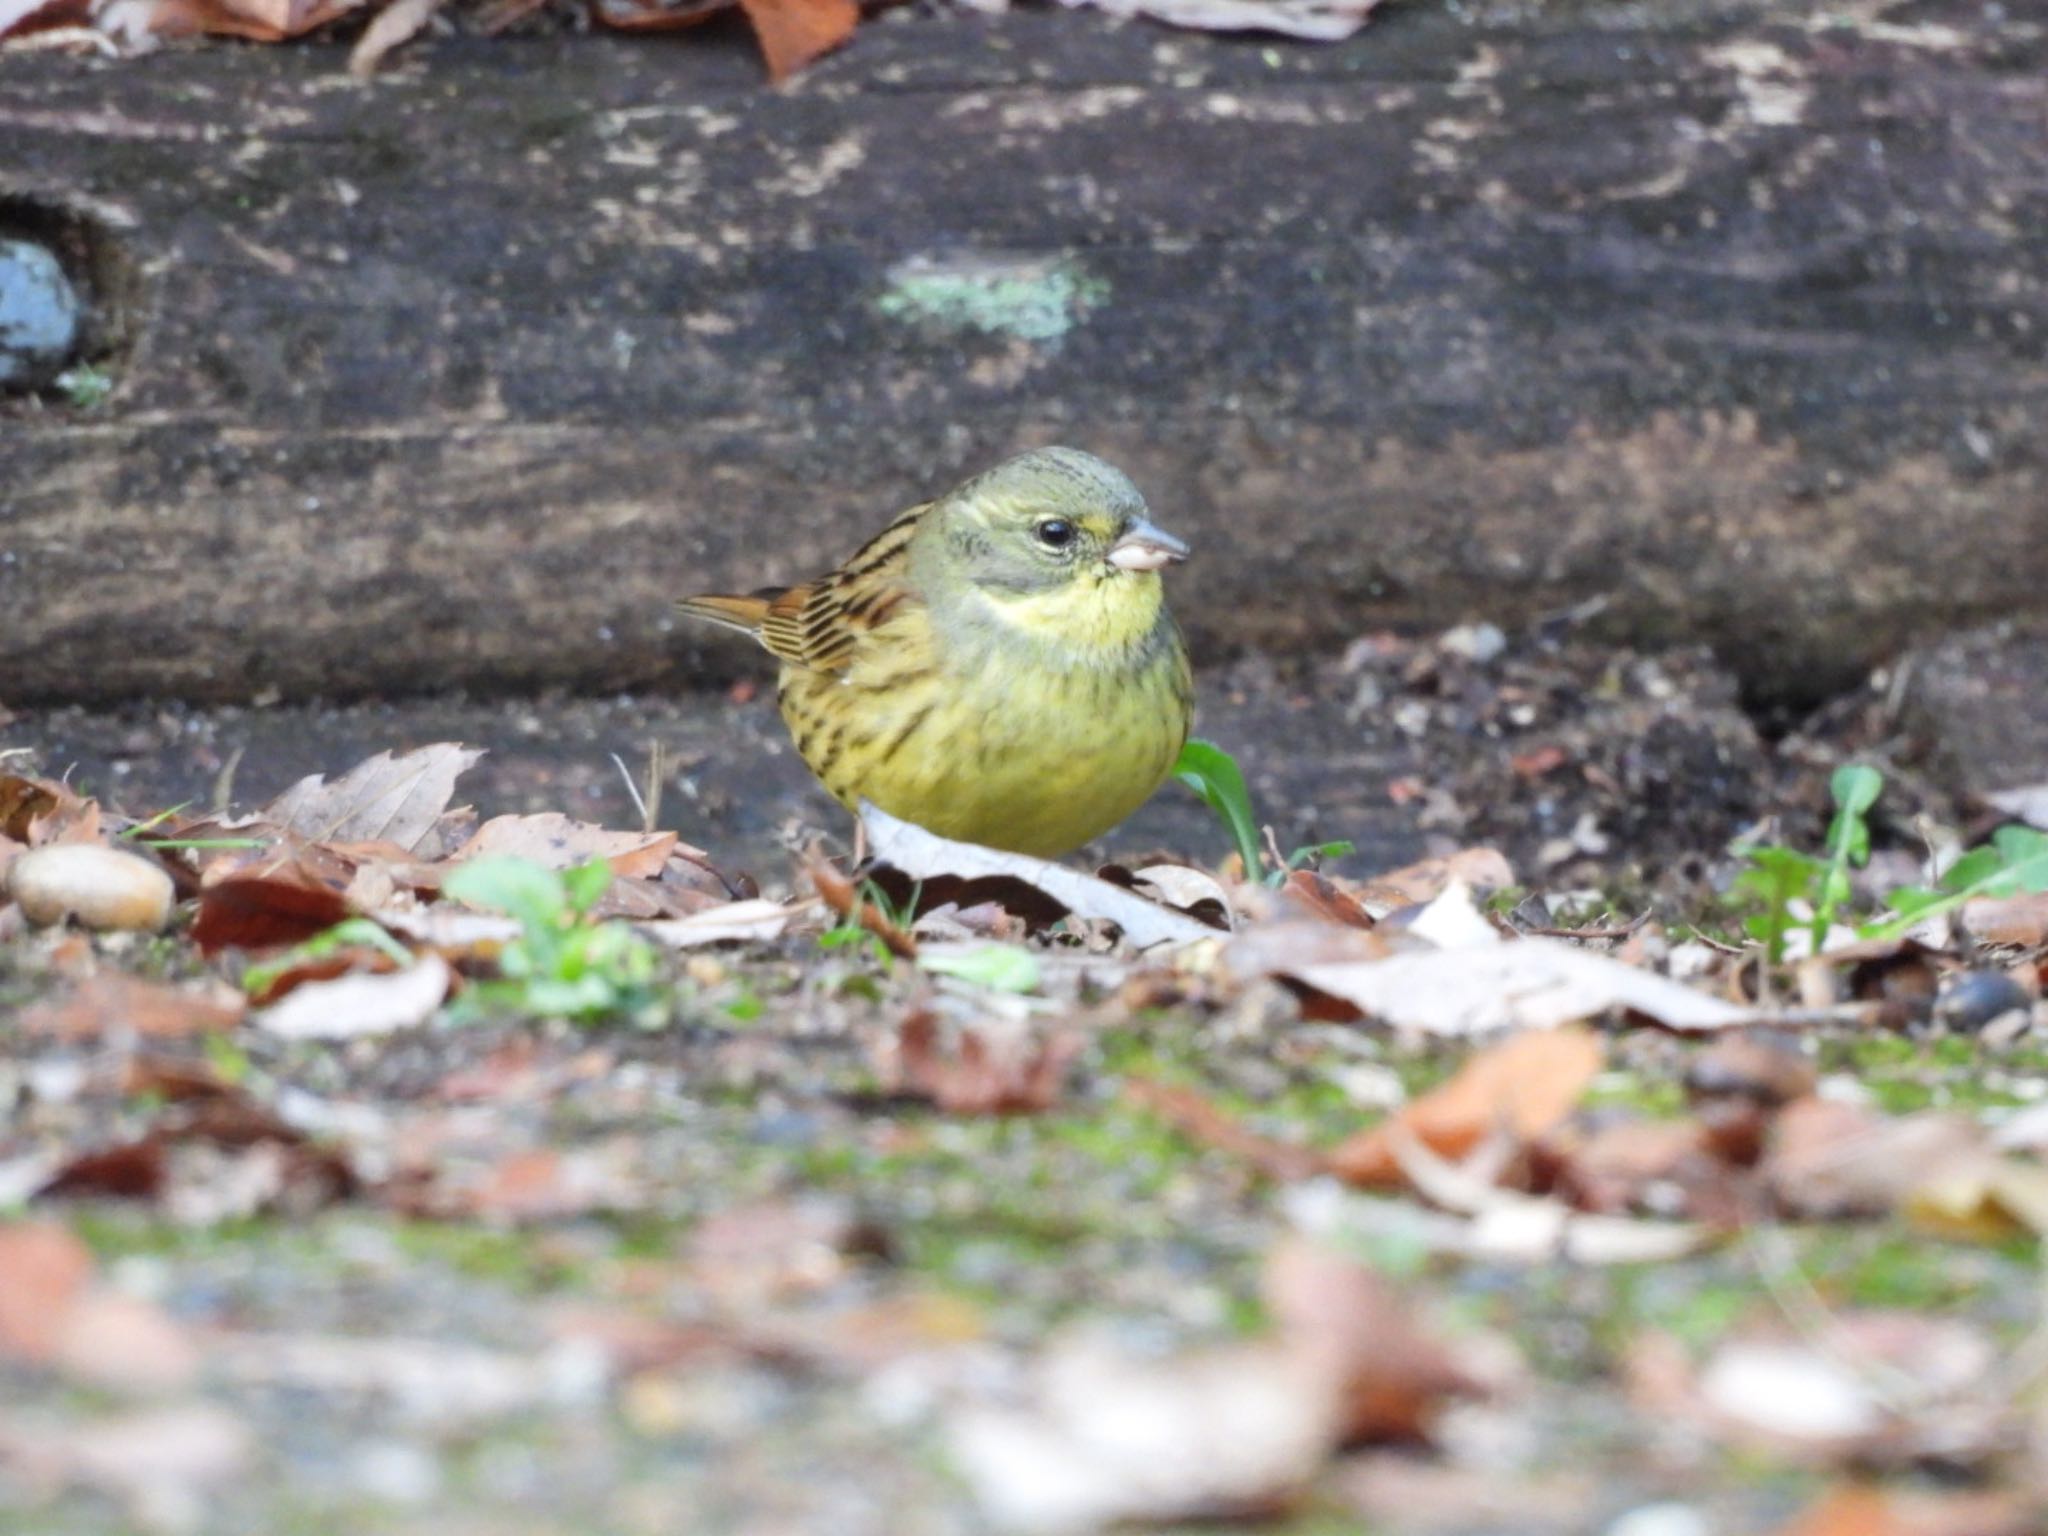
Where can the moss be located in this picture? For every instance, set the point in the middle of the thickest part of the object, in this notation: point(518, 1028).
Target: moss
point(1025, 299)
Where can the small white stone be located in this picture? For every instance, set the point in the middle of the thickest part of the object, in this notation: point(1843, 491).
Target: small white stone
point(1661, 1520)
point(101, 887)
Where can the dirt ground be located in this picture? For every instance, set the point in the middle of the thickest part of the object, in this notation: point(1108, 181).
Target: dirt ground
point(722, 1274)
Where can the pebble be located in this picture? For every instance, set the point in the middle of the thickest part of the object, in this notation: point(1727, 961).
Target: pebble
point(39, 315)
point(1974, 999)
point(104, 888)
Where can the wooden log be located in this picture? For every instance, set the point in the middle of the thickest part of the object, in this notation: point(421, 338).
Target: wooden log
point(1729, 319)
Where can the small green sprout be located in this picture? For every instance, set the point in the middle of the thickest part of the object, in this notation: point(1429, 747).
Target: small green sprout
point(1213, 774)
point(999, 967)
point(562, 964)
point(1795, 890)
point(85, 386)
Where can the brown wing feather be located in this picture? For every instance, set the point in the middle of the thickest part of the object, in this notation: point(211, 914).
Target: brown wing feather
point(820, 624)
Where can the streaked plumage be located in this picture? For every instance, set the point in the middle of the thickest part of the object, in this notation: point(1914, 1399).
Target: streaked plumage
point(997, 665)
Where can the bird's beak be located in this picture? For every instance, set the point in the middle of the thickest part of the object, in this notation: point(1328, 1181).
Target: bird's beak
point(1146, 548)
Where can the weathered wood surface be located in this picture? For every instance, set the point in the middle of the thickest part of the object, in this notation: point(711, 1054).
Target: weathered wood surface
point(1737, 320)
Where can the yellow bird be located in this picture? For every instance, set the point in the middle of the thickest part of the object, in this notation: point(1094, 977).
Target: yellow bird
point(997, 665)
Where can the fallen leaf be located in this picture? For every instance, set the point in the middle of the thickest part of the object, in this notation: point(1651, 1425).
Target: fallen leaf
point(390, 799)
point(286, 904)
point(36, 812)
point(110, 1002)
point(1485, 869)
point(1981, 1199)
point(44, 1270)
point(1324, 21)
point(2029, 802)
point(736, 922)
point(395, 24)
point(763, 1252)
point(1829, 1161)
point(555, 841)
point(360, 1003)
point(1104, 1438)
point(1389, 1377)
point(1859, 1509)
point(1521, 1089)
point(2019, 921)
point(1181, 886)
point(925, 856)
point(1021, 1076)
point(1526, 984)
point(125, 1344)
point(229, 1135)
point(850, 901)
point(792, 33)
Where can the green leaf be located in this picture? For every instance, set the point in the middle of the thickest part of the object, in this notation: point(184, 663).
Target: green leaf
point(586, 884)
point(519, 888)
point(999, 967)
point(1319, 852)
point(349, 933)
point(2015, 860)
point(2026, 853)
point(1213, 774)
point(1855, 788)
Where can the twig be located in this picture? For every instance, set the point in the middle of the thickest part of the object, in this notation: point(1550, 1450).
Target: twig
point(649, 804)
point(1607, 931)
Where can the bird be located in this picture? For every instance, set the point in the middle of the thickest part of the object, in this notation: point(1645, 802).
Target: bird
point(997, 666)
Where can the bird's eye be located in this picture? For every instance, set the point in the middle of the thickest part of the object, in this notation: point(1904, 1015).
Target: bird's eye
point(1055, 533)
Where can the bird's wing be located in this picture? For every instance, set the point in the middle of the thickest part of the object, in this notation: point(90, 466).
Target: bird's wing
point(820, 625)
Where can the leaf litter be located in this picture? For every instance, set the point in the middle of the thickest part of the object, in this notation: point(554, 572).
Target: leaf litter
point(1384, 1090)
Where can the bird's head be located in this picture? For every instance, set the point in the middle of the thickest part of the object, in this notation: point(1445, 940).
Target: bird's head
point(1048, 519)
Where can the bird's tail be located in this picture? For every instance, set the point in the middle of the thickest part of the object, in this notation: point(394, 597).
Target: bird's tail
point(744, 614)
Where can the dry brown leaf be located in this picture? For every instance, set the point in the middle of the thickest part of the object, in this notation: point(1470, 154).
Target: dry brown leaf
point(296, 1174)
point(1662, 1165)
point(1482, 869)
point(794, 32)
point(44, 1270)
point(125, 1344)
point(110, 1002)
point(1828, 1161)
point(383, 799)
point(36, 812)
point(846, 898)
point(1859, 1509)
point(1023, 1076)
point(397, 23)
point(766, 1251)
point(1389, 1377)
point(556, 841)
point(1522, 1089)
point(2020, 921)
point(287, 903)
